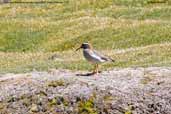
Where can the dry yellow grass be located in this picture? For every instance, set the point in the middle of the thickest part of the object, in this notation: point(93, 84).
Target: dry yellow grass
point(152, 55)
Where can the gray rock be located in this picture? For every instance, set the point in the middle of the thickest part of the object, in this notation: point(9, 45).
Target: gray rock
point(136, 90)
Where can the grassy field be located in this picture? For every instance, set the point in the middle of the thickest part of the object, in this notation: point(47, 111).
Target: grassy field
point(133, 32)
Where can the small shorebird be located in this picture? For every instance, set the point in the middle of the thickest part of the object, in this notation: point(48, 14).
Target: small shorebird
point(93, 56)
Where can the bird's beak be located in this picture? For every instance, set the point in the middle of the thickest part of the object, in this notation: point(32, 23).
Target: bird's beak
point(78, 48)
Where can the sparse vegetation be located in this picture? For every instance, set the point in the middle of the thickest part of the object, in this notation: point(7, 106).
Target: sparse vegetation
point(120, 91)
point(56, 83)
point(87, 106)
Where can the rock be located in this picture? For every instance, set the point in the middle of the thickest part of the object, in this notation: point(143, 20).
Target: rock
point(142, 90)
point(34, 108)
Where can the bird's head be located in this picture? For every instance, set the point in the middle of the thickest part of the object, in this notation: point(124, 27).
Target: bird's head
point(84, 46)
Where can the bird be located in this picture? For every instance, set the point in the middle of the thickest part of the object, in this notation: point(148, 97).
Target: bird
point(93, 56)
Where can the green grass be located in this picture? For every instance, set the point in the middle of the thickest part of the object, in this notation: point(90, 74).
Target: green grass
point(40, 30)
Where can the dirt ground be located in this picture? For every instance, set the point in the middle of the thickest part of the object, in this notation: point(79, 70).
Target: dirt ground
point(118, 91)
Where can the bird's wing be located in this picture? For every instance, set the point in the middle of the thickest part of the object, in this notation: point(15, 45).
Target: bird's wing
point(103, 56)
point(94, 55)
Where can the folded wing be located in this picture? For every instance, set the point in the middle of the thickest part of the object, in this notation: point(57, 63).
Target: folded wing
point(103, 57)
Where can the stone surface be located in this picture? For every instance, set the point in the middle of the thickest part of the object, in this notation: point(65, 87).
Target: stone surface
point(118, 91)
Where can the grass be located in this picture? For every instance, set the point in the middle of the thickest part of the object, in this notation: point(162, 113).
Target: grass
point(154, 55)
point(31, 33)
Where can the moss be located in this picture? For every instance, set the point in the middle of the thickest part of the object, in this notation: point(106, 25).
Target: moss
point(128, 112)
point(58, 100)
point(42, 93)
point(108, 98)
point(26, 102)
point(65, 102)
point(56, 83)
point(87, 107)
point(53, 102)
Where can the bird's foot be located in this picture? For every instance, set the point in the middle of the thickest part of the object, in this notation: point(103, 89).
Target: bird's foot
point(99, 71)
point(94, 73)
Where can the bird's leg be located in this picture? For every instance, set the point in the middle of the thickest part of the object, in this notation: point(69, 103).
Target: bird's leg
point(97, 68)
point(94, 71)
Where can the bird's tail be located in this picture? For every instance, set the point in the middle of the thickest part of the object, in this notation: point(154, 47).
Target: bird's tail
point(112, 60)
point(108, 59)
